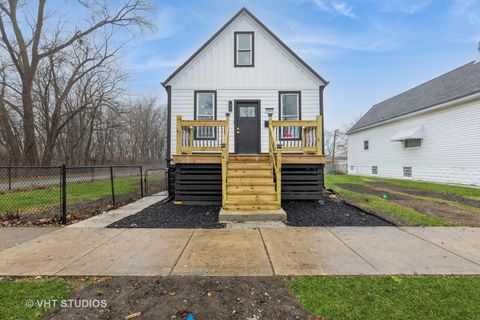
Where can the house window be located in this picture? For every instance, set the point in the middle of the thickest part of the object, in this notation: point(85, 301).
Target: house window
point(365, 145)
point(205, 109)
point(290, 110)
point(413, 143)
point(244, 49)
point(374, 170)
point(407, 171)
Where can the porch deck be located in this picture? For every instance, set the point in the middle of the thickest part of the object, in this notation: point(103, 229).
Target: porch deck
point(206, 172)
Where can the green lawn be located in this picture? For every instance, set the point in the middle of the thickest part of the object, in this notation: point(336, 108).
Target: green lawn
point(14, 296)
point(385, 297)
point(411, 216)
point(39, 198)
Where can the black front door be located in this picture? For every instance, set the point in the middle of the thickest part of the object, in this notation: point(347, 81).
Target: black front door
point(247, 127)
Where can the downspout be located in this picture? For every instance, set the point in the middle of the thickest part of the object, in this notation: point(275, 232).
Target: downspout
point(320, 98)
point(168, 89)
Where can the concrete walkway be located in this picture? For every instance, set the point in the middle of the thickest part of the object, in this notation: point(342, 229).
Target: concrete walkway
point(264, 251)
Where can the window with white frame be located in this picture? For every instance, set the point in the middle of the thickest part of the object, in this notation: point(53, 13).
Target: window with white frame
point(374, 170)
point(244, 49)
point(407, 172)
point(290, 110)
point(205, 109)
point(413, 143)
point(366, 145)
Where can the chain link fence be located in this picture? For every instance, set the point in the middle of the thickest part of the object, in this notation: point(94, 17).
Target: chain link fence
point(63, 194)
point(156, 182)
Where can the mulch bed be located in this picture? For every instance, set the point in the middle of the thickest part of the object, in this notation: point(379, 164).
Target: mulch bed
point(329, 213)
point(176, 297)
point(170, 215)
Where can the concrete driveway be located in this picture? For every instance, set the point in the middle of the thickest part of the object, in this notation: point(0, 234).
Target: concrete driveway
point(263, 251)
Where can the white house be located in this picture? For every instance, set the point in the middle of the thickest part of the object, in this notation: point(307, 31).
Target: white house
point(242, 74)
point(431, 132)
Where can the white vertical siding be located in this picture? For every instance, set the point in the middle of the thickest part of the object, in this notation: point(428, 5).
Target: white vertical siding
point(183, 102)
point(450, 150)
point(213, 69)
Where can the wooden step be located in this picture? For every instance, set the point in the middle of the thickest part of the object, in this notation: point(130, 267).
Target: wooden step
point(250, 182)
point(249, 158)
point(252, 207)
point(249, 165)
point(261, 173)
point(252, 197)
point(257, 190)
point(234, 202)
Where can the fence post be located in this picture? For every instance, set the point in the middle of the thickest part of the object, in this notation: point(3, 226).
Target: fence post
point(9, 178)
point(113, 186)
point(63, 173)
point(141, 182)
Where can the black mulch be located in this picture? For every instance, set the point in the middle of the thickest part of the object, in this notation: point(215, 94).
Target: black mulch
point(331, 213)
point(170, 215)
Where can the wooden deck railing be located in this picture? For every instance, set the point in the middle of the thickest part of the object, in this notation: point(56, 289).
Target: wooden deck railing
point(299, 135)
point(201, 135)
point(205, 135)
point(275, 153)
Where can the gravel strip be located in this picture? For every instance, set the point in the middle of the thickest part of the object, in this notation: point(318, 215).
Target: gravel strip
point(332, 213)
point(170, 215)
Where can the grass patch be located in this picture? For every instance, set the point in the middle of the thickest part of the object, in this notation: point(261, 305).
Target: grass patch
point(390, 297)
point(14, 294)
point(76, 192)
point(376, 204)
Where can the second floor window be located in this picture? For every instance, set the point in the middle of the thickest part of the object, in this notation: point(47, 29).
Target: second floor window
point(365, 145)
point(244, 49)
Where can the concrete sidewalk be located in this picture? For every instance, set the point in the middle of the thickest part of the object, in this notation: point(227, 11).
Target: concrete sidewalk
point(264, 251)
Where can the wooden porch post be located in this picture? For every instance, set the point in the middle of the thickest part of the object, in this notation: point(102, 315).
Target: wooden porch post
point(319, 135)
point(179, 135)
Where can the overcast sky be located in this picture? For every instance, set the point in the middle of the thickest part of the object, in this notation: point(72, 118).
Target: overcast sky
point(369, 50)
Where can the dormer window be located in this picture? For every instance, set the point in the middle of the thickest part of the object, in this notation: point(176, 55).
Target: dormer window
point(244, 49)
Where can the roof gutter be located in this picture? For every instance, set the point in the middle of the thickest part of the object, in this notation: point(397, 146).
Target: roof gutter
point(447, 104)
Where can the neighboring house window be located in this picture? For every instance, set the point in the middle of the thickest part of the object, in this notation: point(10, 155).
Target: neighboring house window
point(205, 109)
point(407, 171)
point(365, 145)
point(413, 143)
point(244, 49)
point(351, 168)
point(290, 109)
point(374, 170)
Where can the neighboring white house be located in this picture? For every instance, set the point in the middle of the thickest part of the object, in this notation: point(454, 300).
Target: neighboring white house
point(431, 132)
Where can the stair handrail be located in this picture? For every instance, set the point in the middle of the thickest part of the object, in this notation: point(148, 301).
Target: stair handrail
point(225, 154)
point(275, 153)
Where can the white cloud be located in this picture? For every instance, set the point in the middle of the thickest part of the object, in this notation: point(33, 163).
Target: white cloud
point(467, 9)
point(343, 9)
point(333, 6)
point(407, 7)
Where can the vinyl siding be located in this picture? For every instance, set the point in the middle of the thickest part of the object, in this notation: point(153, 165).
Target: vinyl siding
point(450, 150)
point(182, 104)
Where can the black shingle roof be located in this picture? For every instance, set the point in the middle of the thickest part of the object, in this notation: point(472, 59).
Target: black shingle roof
point(450, 86)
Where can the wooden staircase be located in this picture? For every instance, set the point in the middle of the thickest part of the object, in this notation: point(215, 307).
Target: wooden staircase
point(250, 184)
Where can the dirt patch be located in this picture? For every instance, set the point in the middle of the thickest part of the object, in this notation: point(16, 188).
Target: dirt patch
point(210, 298)
point(329, 213)
point(427, 193)
point(442, 210)
point(172, 215)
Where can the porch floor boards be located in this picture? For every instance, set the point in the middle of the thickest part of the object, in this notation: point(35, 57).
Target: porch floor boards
point(216, 158)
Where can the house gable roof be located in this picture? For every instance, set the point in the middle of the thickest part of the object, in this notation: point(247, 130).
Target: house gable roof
point(453, 85)
point(246, 11)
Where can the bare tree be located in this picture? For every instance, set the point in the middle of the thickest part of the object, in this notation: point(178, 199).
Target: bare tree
point(27, 46)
